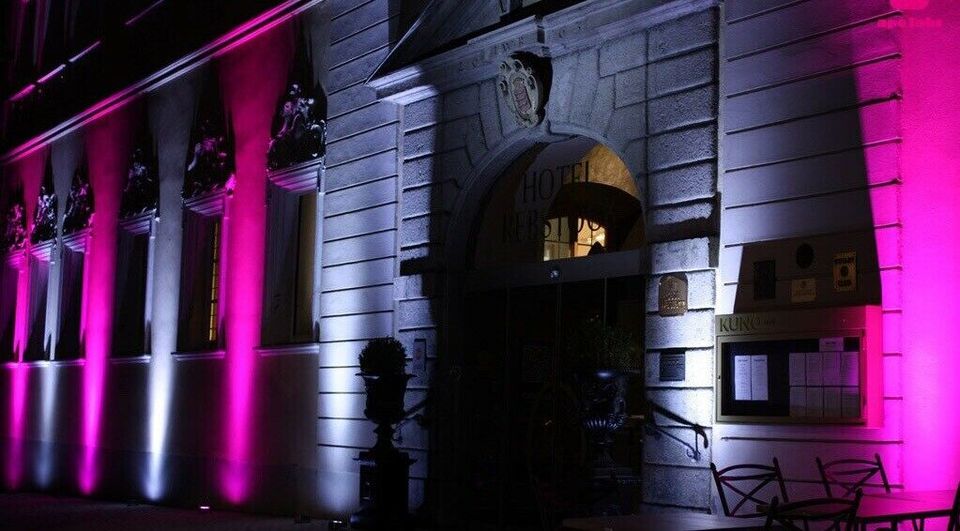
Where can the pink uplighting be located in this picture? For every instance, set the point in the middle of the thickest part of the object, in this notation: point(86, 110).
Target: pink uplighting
point(931, 250)
point(23, 93)
point(30, 172)
point(107, 148)
point(253, 78)
point(18, 390)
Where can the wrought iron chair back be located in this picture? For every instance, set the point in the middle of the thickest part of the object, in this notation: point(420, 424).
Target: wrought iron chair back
point(839, 514)
point(852, 474)
point(749, 481)
point(954, 524)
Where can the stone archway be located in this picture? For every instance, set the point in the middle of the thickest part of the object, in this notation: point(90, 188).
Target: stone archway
point(467, 221)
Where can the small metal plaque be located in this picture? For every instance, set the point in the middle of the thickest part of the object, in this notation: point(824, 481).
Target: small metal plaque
point(420, 357)
point(803, 290)
point(673, 294)
point(673, 366)
point(845, 271)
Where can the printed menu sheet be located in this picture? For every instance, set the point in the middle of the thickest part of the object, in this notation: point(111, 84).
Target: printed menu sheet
point(798, 368)
point(750, 380)
point(825, 384)
point(831, 368)
point(850, 368)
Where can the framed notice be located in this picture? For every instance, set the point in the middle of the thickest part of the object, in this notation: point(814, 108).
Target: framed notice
point(817, 366)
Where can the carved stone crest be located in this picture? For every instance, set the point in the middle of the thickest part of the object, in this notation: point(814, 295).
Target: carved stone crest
point(79, 202)
point(521, 85)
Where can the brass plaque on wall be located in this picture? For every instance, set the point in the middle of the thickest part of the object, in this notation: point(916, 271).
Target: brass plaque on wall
point(673, 294)
point(803, 290)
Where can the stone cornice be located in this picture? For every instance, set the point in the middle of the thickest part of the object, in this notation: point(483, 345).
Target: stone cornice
point(185, 64)
point(303, 177)
point(476, 60)
point(580, 26)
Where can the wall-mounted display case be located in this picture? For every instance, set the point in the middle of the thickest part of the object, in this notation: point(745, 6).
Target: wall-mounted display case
point(817, 366)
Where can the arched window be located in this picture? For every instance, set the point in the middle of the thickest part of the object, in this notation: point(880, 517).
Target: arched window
point(565, 200)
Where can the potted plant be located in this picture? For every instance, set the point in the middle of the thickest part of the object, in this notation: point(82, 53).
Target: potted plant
point(382, 367)
point(384, 470)
point(603, 357)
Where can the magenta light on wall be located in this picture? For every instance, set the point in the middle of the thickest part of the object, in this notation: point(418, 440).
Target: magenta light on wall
point(30, 172)
point(18, 390)
point(931, 247)
point(107, 147)
point(253, 77)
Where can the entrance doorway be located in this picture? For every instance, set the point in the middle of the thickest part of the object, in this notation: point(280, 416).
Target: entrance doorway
point(557, 249)
point(526, 453)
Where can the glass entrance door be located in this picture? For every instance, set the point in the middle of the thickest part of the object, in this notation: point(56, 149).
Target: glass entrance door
point(524, 453)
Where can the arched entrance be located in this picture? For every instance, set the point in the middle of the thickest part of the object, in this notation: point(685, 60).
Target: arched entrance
point(558, 242)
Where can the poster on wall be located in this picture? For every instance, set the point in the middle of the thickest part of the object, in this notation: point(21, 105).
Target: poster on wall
point(845, 271)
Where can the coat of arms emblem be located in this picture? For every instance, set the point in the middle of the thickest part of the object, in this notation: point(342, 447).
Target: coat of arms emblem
point(522, 89)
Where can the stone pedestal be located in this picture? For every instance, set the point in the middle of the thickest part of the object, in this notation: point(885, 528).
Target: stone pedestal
point(383, 491)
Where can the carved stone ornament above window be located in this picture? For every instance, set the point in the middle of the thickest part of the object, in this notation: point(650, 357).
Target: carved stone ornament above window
point(300, 132)
point(210, 161)
point(520, 84)
point(210, 157)
point(79, 202)
point(15, 223)
point(45, 213)
point(141, 191)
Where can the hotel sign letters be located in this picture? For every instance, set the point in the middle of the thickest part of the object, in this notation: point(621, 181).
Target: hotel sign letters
point(536, 191)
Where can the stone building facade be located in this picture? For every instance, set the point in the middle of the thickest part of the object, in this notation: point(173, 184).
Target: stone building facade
point(749, 129)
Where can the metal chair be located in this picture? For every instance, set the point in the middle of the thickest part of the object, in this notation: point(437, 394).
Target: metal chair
point(954, 524)
point(852, 475)
point(840, 514)
point(739, 479)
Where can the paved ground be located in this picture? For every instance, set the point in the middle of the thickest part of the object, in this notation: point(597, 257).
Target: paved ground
point(36, 512)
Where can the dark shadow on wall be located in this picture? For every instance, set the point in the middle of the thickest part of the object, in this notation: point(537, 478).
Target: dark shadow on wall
point(798, 187)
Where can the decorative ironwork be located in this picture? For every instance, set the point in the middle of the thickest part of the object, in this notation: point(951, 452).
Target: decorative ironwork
point(603, 399)
point(45, 214)
point(522, 87)
point(79, 202)
point(141, 191)
point(300, 131)
point(15, 223)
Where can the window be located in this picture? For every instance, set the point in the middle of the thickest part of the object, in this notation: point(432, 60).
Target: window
point(558, 242)
point(291, 251)
point(130, 336)
point(566, 200)
point(69, 345)
point(200, 290)
point(8, 305)
point(39, 268)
